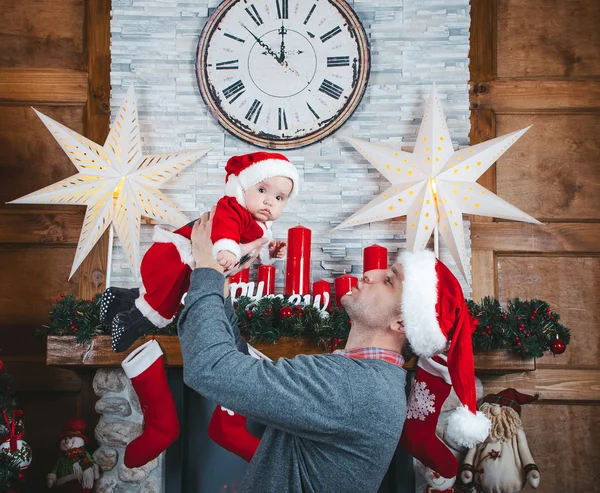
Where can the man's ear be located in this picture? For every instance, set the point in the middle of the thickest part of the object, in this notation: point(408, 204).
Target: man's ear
point(397, 326)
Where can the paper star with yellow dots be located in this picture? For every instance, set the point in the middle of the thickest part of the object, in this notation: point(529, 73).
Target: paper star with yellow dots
point(116, 182)
point(435, 185)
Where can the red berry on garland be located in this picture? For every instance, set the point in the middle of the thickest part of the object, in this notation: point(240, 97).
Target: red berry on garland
point(505, 317)
point(487, 326)
point(62, 295)
point(286, 312)
point(528, 334)
point(269, 310)
point(249, 313)
point(57, 300)
point(532, 317)
point(518, 343)
point(1, 366)
point(558, 346)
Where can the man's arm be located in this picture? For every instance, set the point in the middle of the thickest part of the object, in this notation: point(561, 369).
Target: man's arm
point(306, 395)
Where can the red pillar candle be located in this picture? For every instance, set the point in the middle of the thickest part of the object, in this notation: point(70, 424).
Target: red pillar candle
point(319, 288)
point(343, 284)
point(297, 266)
point(266, 274)
point(375, 257)
point(241, 276)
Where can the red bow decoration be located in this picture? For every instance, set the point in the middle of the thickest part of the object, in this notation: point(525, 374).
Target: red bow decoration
point(12, 436)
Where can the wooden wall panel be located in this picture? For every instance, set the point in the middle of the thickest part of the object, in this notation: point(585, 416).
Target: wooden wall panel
point(549, 38)
point(571, 285)
point(34, 277)
point(564, 442)
point(42, 34)
point(30, 155)
point(552, 172)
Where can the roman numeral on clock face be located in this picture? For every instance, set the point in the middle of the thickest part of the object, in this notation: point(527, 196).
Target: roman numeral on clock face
point(338, 61)
point(230, 65)
point(310, 13)
point(331, 34)
point(312, 111)
point(234, 37)
point(253, 13)
point(254, 110)
point(234, 91)
point(282, 9)
point(331, 89)
point(282, 119)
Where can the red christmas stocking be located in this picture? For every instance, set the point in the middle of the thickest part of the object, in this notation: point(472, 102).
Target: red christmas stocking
point(430, 389)
point(144, 367)
point(228, 429)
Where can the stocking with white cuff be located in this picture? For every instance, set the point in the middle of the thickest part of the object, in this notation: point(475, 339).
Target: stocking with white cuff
point(144, 367)
point(430, 390)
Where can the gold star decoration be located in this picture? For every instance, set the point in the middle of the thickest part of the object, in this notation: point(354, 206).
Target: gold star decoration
point(436, 185)
point(116, 182)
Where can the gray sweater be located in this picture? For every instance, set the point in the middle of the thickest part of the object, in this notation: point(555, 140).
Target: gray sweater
point(333, 422)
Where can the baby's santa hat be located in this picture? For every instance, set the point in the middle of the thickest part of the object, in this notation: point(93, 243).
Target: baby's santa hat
point(436, 318)
point(249, 169)
point(511, 398)
point(74, 427)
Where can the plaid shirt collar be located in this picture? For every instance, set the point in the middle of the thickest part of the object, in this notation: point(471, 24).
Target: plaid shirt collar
point(373, 353)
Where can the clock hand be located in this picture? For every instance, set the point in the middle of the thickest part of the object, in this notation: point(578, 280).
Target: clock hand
point(263, 44)
point(282, 31)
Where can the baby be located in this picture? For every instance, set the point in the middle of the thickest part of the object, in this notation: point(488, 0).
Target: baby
point(258, 186)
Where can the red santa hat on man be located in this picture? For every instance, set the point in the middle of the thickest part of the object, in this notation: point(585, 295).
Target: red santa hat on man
point(249, 169)
point(436, 319)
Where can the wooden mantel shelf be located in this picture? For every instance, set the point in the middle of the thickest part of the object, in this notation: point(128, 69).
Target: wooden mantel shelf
point(64, 351)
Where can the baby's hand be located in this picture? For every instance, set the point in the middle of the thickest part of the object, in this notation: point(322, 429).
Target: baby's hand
point(226, 259)
point(277, 249)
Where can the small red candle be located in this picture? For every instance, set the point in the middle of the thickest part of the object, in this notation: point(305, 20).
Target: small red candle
point(297, 267)
point(343, 284)
point(320, 288)
point(266, 274)
point(375, 257)
point(241, 276)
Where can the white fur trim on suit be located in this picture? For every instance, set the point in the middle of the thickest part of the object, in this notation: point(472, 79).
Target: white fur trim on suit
point(140, 359)
point(150, 313)
point(257, 172)
point(467, 429)
point(229, 245)
point(436, 369)
point(419, 297)
point(233, 188)
point(183, 244)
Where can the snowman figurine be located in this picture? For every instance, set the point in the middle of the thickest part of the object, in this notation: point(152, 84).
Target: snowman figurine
point(75, 470)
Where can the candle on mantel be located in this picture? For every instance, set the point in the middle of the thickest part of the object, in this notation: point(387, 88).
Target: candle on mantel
point(241, 276)
point(320, 288)
point(375, 257)
point(343, 284)
point(266, 274)
point(297, 266)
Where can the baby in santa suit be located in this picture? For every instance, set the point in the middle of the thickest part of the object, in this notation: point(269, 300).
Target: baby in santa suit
point(258, 186)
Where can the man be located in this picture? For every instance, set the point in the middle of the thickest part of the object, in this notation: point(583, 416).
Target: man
point(332, 421)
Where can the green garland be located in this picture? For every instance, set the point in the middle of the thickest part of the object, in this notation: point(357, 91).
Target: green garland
point(527, 328)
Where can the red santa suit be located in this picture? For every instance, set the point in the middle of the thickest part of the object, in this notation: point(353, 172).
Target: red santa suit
point(166, 267)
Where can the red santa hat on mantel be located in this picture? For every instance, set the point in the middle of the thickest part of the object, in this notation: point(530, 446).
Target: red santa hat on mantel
point(249, 169)
point(436, 318)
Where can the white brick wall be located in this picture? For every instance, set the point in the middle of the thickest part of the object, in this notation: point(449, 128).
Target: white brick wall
point(413, 44)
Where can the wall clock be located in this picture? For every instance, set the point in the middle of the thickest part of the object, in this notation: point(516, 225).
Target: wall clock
point(282, 74)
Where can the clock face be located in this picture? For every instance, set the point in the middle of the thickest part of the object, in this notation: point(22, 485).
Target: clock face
point(282, 73)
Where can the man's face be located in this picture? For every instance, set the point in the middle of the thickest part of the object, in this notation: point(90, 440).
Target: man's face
point(375, 301)
point(266, 200)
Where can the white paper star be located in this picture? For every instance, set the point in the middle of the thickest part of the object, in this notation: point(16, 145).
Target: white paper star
point(435, 185)
point(115, 181)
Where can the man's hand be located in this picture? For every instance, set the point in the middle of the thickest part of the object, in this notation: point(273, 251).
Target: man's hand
point(226, 259)
point(277, 249)
point(202, 245)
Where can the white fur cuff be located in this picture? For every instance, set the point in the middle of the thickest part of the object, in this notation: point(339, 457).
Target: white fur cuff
point(229, 245)
point(140, 359)
point(467, 429)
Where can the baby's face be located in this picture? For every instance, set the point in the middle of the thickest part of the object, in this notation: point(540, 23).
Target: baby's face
point(266, 200)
